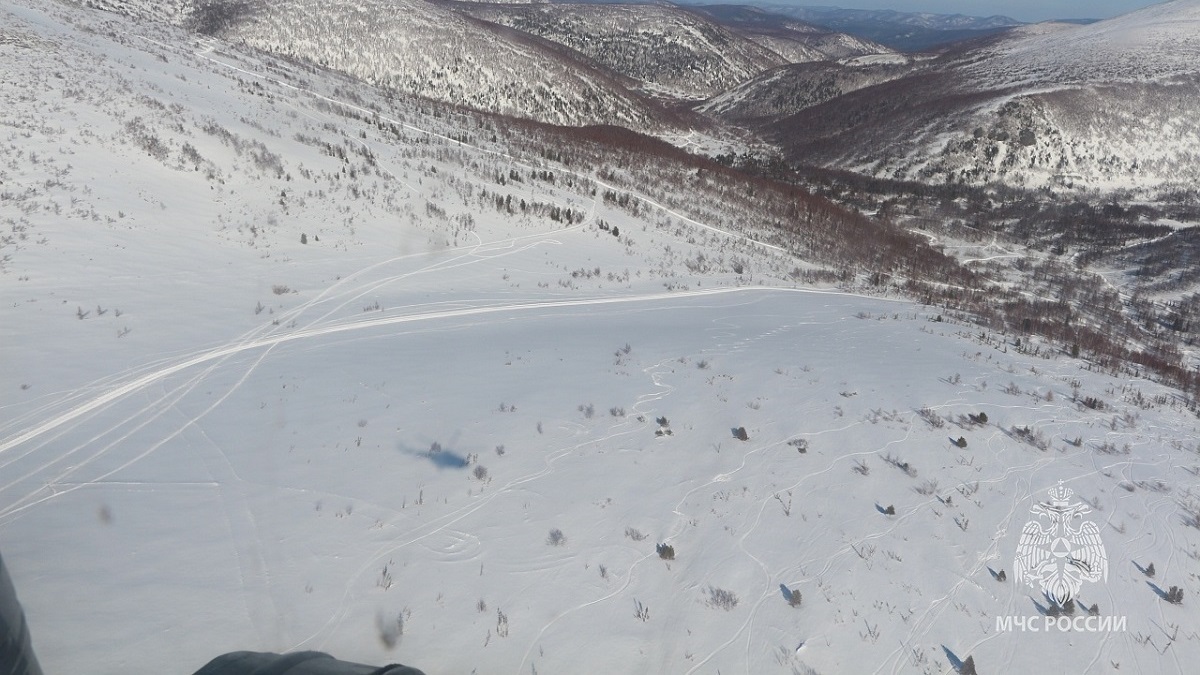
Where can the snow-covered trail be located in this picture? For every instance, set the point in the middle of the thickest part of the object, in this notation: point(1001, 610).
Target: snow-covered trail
point(142, 381)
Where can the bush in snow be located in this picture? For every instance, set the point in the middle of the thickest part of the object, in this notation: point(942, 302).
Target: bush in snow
point(794, 598)
point(721, 598)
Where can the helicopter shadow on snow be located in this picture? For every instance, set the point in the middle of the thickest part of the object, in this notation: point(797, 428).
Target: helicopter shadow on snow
point(441, 456)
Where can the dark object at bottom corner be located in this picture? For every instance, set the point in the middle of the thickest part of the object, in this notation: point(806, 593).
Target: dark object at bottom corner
point(297, 663)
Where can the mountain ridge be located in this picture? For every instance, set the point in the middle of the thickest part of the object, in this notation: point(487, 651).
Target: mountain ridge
point(1012, 108)
point(905, 31)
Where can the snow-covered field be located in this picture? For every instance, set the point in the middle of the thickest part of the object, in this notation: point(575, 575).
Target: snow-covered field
point(432, 435)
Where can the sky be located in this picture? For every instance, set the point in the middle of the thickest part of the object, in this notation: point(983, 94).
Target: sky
point(1023, 10)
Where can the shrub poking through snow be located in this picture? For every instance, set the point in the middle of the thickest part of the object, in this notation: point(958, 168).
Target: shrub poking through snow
point(931, 418)
point(665, 551)
point(794, 599)
point(721, 598)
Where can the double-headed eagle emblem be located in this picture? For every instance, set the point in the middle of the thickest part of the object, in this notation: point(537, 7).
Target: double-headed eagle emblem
point(1054, 554)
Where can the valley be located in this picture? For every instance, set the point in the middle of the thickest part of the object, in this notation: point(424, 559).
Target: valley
point(525, 359)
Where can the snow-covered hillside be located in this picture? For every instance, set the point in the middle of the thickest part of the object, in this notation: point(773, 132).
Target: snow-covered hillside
point(422, 49)
point(169, 11)
point(291, 362)
point(1107, 106)
point(559, 63)
point(666, 48)
point(1110, 137)
point(803, 47)
point(906, 31)
point(789, 89)
point(796, 41)
point(1157, 44)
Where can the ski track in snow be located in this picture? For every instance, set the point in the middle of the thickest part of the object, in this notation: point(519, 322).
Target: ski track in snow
point(441, 524)
point(140, 382)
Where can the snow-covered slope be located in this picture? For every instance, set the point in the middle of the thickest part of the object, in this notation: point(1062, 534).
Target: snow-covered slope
point(907, 31)
point(803, 47)
point(1157, 44)
point(294, 363)
point(668, 49)
point(419, 48)
point(169, 11)
point(796, 41)
point(1107, 106)
point(794, 87)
